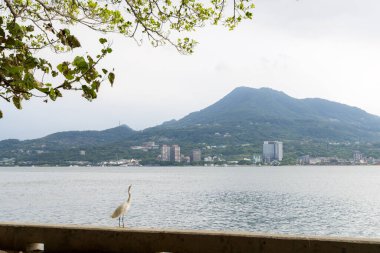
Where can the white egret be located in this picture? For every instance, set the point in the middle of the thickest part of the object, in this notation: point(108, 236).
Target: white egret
point(123, 208)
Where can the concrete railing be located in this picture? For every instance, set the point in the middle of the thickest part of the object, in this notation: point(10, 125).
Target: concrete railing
point(116, 240)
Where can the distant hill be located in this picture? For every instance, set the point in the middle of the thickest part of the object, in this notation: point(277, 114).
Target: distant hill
point(244, 116)
point(69, 140)
point(85, 138)
point(248, 114)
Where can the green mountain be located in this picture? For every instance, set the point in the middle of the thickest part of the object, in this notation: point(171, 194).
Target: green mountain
point(248, 115)
point(62, 146)
point(233, 127)
point(264, 104)
point(85, 138)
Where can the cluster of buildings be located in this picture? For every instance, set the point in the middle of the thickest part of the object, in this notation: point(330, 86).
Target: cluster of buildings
point(173, 154)
point(7, 161)
point(122, 163)
point(272, 154)
point(358, 158)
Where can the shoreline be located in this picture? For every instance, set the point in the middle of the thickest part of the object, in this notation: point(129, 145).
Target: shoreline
point(193, 166)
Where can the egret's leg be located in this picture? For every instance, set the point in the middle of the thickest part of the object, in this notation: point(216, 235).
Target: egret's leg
point(123, 221)
point(119, 222)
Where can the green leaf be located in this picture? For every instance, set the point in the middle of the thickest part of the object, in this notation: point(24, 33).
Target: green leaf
point(102, 40)
point(60, 67)
point(52, 94)
point(73, 42)
point(66, 85)
point(17, 102)
point(63, 67)
point(67, 39)
point(111, 78)
point(69, 75)
point(43, 90)
point(80, 63)
point(14, 29)
point(95, 85)
point(58, 93)
point(88, 93)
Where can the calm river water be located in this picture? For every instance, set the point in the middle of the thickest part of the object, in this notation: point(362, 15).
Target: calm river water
point(340, 201)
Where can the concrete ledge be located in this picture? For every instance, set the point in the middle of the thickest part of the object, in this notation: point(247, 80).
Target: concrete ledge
point(63, 238)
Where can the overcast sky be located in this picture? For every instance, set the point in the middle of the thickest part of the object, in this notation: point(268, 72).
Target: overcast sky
point(306, 48)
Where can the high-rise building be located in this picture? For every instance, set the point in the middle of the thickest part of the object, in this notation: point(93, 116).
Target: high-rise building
point(196, 155)
point(175, 154)
point(165, 153)
point(272, 151)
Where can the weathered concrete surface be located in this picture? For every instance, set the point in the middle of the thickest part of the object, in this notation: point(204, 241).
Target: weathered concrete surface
point(114, 240)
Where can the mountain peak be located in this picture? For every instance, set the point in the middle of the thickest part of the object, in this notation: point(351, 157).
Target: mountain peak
point(285, 114)
point(249, 91)
point(121, 127)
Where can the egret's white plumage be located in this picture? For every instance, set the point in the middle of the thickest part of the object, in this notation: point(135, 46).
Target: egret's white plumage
point(121, 210)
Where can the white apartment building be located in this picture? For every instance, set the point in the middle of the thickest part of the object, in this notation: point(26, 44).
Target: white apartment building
point(175, 154)
point(165, 153)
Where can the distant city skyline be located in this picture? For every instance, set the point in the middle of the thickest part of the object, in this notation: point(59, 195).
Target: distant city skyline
point(304, 48)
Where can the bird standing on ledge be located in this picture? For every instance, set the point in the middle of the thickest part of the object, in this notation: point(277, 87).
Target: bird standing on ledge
point(123, 208)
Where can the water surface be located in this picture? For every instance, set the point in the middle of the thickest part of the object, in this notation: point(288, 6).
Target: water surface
point(339, 201)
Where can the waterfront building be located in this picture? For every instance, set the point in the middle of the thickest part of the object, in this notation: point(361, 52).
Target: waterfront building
point(304, 160)
point(165, 153)
point(272, 151)
point(175, 154)
point(208, 159)
point(256, 158)
point(357, 156)
point(185, 159)
point(196, 155)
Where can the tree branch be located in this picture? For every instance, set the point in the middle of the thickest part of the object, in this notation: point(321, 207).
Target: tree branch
point(10, 7)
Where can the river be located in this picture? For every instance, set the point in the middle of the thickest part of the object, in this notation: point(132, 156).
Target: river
point(339, 201)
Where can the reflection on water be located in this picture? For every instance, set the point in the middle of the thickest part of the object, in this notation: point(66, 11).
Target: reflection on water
point(342, 201)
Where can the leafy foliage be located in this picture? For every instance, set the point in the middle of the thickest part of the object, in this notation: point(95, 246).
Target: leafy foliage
point(27, 26)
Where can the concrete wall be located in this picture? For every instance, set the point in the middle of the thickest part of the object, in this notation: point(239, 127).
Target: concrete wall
point(116, 240)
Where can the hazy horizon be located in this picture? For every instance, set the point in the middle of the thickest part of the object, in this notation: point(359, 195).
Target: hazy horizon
point(304, 48)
